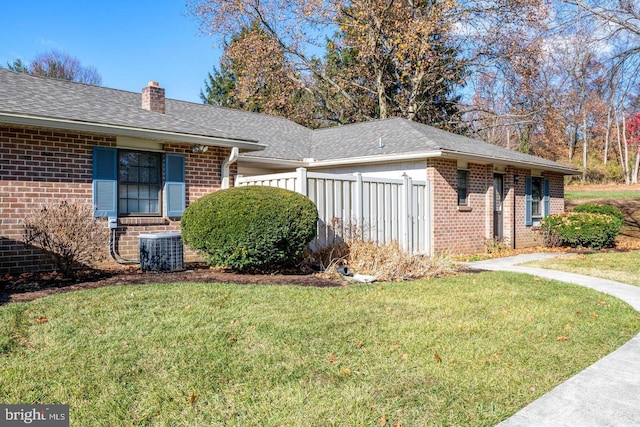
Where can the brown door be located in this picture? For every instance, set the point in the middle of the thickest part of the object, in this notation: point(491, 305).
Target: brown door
point(498, 199)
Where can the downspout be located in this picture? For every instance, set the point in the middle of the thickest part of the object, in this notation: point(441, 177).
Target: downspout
point(515, 199)
point(226, 163)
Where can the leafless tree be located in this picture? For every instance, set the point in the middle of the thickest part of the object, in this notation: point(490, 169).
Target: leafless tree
point(59, 65)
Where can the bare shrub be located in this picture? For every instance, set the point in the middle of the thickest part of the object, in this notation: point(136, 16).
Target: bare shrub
point(388, 262)
point(68, 233)
point(329, 257)
point(495, 246)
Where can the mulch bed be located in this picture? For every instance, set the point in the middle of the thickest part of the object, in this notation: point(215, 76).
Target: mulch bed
point(30, 286)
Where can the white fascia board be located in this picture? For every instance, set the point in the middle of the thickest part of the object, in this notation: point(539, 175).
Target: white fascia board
point(382, 158)
point(272, 161)
point(158, 135)
point(565, 170)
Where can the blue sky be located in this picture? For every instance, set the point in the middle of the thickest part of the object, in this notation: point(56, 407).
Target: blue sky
point(129, 42)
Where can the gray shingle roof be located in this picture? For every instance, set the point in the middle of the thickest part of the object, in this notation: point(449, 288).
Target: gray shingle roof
point(400, 136)
point(36, 96)
point(284, 139)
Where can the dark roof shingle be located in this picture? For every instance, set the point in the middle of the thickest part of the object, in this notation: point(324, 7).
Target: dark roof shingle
point(285, 140)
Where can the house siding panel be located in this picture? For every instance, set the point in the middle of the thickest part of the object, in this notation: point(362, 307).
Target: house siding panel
point(40, 166)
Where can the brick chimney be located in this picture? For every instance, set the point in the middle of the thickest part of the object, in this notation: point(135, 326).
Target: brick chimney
point(153, 98)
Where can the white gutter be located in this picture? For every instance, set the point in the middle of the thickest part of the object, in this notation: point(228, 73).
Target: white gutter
point(386, 158)
point(158, 135)
point(567, 170)
point(226, 163)
point(380, 158)
point(248, 159)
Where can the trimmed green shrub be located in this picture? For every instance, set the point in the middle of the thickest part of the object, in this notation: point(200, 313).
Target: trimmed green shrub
point(600, 209)
point(252, 228)
point(580, 229)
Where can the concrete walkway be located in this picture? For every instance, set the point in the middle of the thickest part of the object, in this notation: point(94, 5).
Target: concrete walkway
point(607, 393)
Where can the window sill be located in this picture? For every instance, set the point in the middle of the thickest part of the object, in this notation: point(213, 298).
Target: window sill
point(143, 220)
point(465, 208)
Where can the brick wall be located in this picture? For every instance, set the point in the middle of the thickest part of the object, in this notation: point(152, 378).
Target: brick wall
point(459, 229)
point(39, 166)
point(527, 236)
point(467, 229)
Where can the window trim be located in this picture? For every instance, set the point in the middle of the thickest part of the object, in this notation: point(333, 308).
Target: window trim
point(545, 200)
point(161, 175)
point(173, 192)
point(535, 181)
point(464, 173)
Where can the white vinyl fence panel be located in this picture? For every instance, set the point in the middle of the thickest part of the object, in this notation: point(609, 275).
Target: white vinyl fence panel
point(380, 209)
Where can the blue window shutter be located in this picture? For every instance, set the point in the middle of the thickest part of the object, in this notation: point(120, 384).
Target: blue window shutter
point(174, 185)
point(528, 216)
point(547, 198)
point(105, 181)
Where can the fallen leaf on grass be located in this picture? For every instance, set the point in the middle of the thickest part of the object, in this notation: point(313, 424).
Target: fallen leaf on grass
point(437, 358)
point(346, 371)
point(192, 399)
point(42, 319)
point(495, 356)
point(562, 339)
point(594, 315)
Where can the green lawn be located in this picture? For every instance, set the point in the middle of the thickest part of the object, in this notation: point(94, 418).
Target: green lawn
point(576, 194)
point(619, 266)
point(466, 350)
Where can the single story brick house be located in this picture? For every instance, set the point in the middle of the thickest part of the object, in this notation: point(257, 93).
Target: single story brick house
point(141, 158)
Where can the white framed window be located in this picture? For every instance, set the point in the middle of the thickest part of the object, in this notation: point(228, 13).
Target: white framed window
point(463, 187)
point(135, 183)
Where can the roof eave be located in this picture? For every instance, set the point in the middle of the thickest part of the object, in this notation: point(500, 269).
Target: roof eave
point(159, 135)
point(273, 161)
point(385, 158)
point(377, 158)
point(558, 168)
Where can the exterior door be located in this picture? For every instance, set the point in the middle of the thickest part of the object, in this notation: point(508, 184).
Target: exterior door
point(498, 204)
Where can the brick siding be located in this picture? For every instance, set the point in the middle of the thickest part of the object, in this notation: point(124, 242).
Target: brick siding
point(467, 229)
point(40, 166)
point(458, 229)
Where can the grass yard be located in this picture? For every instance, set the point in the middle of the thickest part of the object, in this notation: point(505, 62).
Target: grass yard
point(575, 193)
point(466, 350)
point(624, 197)
point(619, 266)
